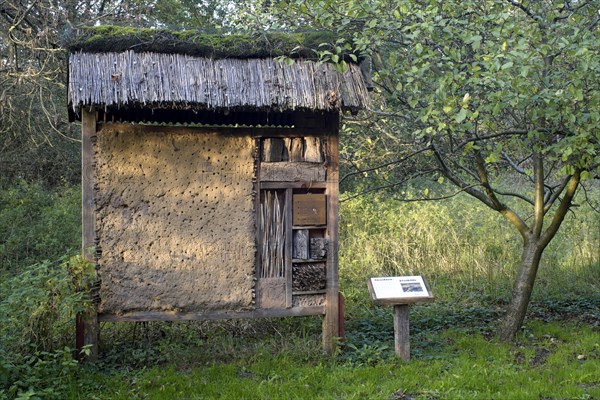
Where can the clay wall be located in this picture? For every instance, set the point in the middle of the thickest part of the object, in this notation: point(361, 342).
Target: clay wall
point(174, 219)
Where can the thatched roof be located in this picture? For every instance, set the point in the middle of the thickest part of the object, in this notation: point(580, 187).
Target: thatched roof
point(220, 73)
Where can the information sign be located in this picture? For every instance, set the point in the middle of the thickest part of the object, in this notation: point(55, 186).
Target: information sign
point(399, 289)
point(400, 292)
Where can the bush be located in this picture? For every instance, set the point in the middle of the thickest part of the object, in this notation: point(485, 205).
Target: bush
point(37, 224)
point(37, 314)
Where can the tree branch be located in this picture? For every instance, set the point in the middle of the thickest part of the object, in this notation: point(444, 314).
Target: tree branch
point(449, 196)
point(524, 9)
point(459, 182)
point(381, 187)
point(571, 12)
point(563, 207)
point(391, 114)
point(513, 164)
point(556, 193)
point(349, 174)
point(513, 132)
point(588, 201)
point(538, 196)
point(517, 195)
point(509, 214)
point(483, 178)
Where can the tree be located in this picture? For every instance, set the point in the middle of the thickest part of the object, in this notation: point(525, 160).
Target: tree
point(499, 98)
point(36, 141)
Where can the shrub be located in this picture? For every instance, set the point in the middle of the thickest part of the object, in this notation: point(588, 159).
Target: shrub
point(37, 314)
point(37, 224)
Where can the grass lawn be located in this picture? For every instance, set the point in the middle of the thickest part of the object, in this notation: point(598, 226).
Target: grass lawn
point(551, 360)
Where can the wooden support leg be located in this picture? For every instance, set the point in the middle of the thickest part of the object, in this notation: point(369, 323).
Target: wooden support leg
point(331, 326)
point(402, 331)
point(342, 333)
point(86, 330)
point(86, 333)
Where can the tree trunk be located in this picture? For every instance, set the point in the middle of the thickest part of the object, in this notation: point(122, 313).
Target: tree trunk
point(517, 308)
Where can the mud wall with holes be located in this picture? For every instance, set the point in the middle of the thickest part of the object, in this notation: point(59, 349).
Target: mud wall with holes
point(174, 219)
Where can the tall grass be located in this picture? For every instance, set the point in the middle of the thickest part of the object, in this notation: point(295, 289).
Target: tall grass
point(463, 248)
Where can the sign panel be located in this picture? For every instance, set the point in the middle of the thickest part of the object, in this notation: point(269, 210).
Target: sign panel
point(399, 289)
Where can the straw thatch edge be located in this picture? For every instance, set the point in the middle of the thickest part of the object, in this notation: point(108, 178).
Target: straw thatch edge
point(129, 78)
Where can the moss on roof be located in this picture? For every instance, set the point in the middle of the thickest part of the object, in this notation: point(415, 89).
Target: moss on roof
point(201, 44)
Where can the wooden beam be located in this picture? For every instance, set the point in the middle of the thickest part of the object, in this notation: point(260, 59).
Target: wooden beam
point(257, 230)
point(212, 315)
point(88, 218)
point(331, 326)
point(289, 246)
point(293, 185)
point(263, 132)
point(87, 323)
point(292, 171)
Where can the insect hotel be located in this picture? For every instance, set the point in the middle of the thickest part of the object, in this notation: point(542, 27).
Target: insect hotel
point(210, 174)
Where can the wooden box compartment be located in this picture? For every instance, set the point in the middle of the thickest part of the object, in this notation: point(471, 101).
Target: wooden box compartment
point(309, 209)
point(307, 277)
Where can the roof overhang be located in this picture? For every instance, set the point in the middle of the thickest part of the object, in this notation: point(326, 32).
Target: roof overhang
point(177, 81)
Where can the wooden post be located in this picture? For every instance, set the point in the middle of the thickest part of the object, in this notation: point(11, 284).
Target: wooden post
point(402, 331)
point(331, 323)
point(341, 333)
point(87, 322)
point(289, 246)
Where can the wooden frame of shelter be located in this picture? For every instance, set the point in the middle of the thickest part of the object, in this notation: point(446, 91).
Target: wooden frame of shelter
point(210, 176)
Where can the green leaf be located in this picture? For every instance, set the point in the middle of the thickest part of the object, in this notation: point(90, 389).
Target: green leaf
point(475, 41)
point(462, 114)
point(492, 158)
point(585, 175)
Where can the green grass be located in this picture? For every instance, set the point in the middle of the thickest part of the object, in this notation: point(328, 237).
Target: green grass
point(552, 360)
